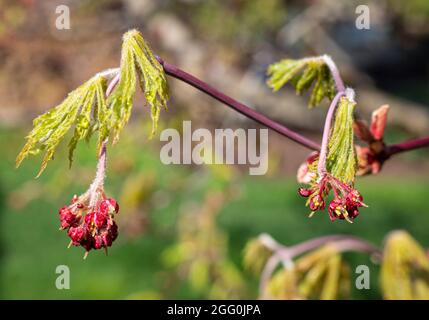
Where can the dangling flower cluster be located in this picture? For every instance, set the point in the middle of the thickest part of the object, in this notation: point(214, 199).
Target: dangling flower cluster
point(346, 202)
point(89, 219)
point(90, 226)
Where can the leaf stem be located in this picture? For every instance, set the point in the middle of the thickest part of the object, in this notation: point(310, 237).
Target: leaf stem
point(98, 181)
point(179, 74)
point(321, 167)
point(334, 72)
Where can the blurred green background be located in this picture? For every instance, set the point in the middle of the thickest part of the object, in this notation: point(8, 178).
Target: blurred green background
point(174, 216)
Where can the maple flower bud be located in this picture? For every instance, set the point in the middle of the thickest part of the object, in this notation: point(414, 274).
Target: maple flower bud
point(76, 234)
point(67, 217)
point(100, 219)
point(303, 192)
point(109, 206)
point(354, 199)
point(337, 209)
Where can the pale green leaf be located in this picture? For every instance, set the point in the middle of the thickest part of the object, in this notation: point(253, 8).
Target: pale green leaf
point(303, 74)
point(51, 127)
point(341, 159)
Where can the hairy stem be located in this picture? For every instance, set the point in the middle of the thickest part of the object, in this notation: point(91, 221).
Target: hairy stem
point(237, 106)
point(334, 72)
point(98, 181)
point(321, 167)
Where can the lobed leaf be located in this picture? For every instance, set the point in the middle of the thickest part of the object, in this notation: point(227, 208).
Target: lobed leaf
point(51, 127)
point(87, 108)
point(137, 60)
point(303, 74)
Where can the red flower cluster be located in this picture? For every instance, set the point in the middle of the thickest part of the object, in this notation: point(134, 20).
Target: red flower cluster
point(346, 202)
point(92, 227)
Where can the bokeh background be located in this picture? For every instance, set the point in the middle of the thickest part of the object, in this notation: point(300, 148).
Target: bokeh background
point(183, 228)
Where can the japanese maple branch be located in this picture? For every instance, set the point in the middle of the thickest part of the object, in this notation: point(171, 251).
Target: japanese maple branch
point(408, 145)
point(177, 73)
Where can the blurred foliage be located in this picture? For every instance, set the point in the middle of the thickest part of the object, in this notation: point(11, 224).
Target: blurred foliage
point(224, 20)
point(256, 255)
point(411, 11)
point(135, 268)
point(405, 269)
point(200, 255)
point(12, 16)
point(320, 274)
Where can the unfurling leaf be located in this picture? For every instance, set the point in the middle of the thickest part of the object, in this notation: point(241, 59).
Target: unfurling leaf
point(137, 60)
point(303, 74)
point(405, 269)
point(51, 127)
point(87, 108)
point(338, 172)
point(341, 159)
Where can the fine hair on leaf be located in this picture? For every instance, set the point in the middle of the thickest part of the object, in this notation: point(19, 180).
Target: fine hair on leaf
point(341, 159)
